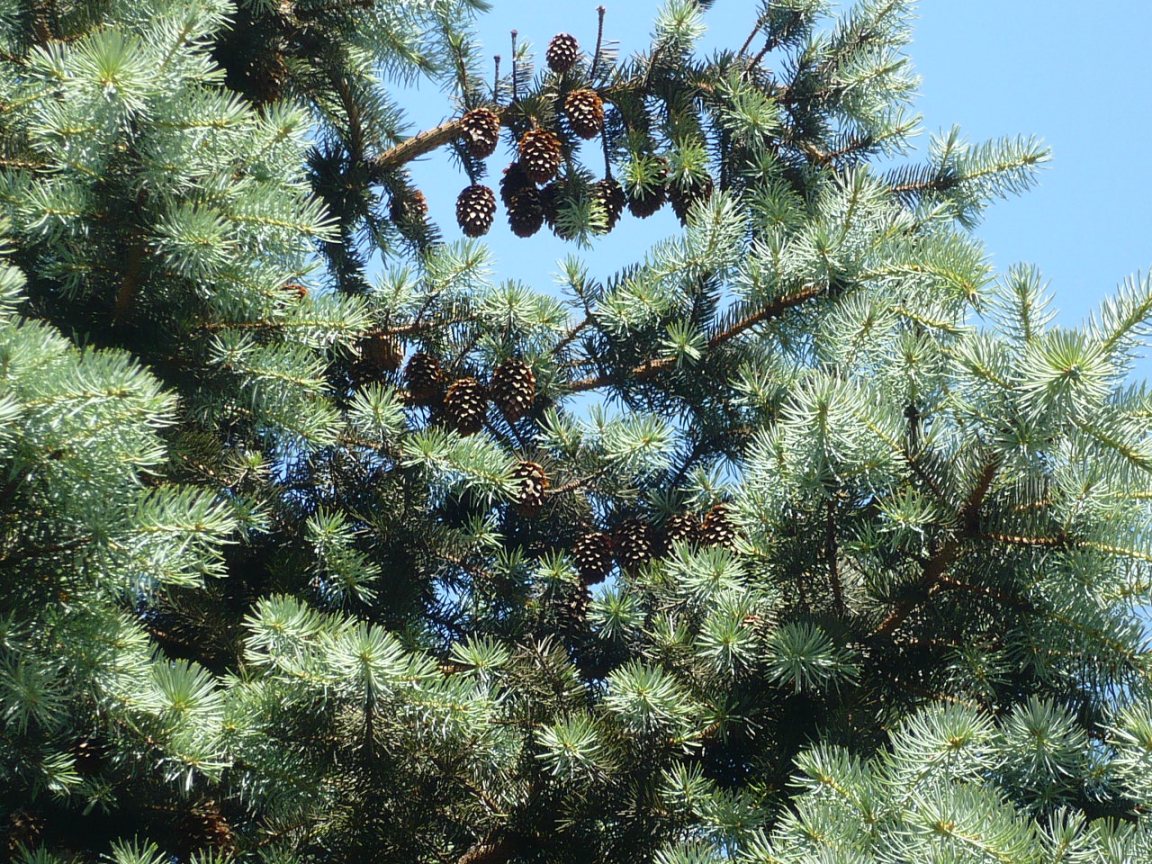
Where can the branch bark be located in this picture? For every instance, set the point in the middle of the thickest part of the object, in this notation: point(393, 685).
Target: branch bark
point(488, 852)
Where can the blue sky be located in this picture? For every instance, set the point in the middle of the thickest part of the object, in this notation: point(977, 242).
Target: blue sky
point(1080, 80)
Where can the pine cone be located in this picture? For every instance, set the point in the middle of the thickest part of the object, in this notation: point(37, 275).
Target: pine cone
point(408, 209)
point(573, 612)
point(592, 555)
point(682, 528)
point(475, 210)
point(684, 196)
point(379, 353)
point(525, 212)
point(562, 53)
point(513, 388)
point(88, 755)
point(634, 543)
point(480, 129)
point(550, 203)
point(424, 379)
point(540, 155)
point(533, 482)
point(465, 405)
point(513, 182)
point(643, 201)
point(718, 529)
point(206, 828)
point(611, 197)
point(295, 288)
point(585, 110)
point(25, 830)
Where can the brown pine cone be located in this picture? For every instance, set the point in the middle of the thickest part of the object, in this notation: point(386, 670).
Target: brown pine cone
point(585, 110)
point(513, 388)
point(540, 155)
point(611, 198)
point(475, 210)
point(533, 483)
point(424, 379)
point(480, 129)
point(634, 544)
point(465, 405)
point(682, 528)
point(684, 195)
point(380, 352)
point(563, 51)
point(525, 212)
point(718, 529)
point(592, 555)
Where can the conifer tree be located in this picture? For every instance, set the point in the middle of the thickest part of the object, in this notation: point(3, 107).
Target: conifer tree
point(806, 538)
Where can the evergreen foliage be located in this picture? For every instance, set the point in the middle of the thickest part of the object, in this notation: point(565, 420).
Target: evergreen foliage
point(807, 538)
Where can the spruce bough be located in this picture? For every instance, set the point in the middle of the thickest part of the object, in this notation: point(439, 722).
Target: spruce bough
point(808, 538)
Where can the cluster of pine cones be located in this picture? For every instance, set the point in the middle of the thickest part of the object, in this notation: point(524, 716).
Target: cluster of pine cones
point(462, 404)
point(530, 190)
point(635, 542)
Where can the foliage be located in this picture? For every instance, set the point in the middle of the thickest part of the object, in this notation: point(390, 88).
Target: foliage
point(876, 532)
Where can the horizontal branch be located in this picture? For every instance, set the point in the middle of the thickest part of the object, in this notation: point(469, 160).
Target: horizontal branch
point(773, 310)
point(416, 146)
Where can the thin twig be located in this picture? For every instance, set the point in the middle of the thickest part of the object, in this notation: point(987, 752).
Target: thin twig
point(751, 36)
point(599, 41)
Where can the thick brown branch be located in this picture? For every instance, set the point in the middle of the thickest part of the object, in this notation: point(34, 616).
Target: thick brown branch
point(416, 146)
point(937, 566)
point(773, 310)
point(488, 852)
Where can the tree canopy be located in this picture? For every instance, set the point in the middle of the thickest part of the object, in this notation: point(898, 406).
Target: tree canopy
point(807, 538)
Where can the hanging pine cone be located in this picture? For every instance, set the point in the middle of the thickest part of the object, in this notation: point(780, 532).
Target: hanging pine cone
point(525, 212)
point(532, 484)
point(408, 208)
point(684, 196)
point(682, 528)
point(573, 610)
point(206, 828)
point(634, 543)
point(514, 181)
point(562, 52)
point(585, 110)
point(25, 830)
point(480, 129)
point(540, 155)
point(550, 203)
point(379, 353)
point(513, 388)
point(644, 200)
point(88, 755)
point(643, 204)
point(718, 529)
point(592, 555)
point(424, 379)
point(465, 405)
point(475, 210)
point(611, 197)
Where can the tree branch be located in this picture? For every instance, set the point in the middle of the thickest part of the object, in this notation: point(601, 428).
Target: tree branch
point(416, 146)
point(936, 567)
point(773, 310)
point(488, 852)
